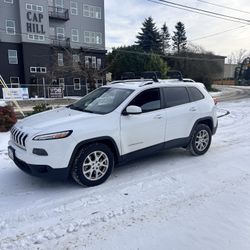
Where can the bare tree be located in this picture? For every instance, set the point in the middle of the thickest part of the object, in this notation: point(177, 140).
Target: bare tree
point(196, 49)
point(83, 66)
point(238, 57)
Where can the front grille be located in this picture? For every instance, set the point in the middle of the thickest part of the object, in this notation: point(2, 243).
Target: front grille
point(19, 137)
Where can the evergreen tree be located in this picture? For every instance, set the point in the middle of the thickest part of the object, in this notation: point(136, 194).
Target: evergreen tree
point(133, 59)
point(149, 39)
point(165, 38)
point(179, 38)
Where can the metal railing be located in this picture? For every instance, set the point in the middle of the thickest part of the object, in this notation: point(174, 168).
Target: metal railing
point(58, 13)
point(60, 42)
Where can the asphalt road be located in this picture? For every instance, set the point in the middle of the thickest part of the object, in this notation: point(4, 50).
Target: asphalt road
point(231, 93)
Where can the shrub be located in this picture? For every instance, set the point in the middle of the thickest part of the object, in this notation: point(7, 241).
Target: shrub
point(7, 118)
point(41, 108)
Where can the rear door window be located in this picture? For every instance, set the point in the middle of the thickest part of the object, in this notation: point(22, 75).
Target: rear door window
point(175, 96)
point(195, 94)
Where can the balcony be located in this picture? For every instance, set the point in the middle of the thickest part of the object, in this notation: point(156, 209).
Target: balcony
point(58, 13)
point(60, 42)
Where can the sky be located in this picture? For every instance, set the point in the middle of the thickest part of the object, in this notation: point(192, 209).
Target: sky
point(124, 20)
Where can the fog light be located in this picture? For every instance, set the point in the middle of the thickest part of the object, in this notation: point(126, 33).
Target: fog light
point(40, 152)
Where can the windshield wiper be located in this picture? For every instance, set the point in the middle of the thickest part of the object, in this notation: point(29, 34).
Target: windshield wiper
point(88, 111)
point(79, 109)
point(75, 108)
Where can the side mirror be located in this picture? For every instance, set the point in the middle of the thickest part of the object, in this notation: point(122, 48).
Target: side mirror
point(133, 110)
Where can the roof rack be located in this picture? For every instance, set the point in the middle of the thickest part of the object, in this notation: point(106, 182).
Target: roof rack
point(144, 82)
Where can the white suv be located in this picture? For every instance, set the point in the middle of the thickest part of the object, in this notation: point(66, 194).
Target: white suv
point(112, 124)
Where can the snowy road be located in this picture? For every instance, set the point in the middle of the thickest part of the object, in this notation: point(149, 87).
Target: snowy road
point(169, 201)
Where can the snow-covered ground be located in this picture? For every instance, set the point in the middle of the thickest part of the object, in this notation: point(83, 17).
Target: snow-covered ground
point(168, 201)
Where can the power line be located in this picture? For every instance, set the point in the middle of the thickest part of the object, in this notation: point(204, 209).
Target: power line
point(225, 7)
point(206, 11)
point(201, 11)
point(218, 33)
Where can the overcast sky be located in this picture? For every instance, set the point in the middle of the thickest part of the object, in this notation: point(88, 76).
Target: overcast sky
point(124, 19)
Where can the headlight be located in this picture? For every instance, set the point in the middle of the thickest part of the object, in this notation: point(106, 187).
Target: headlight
point(53, 136)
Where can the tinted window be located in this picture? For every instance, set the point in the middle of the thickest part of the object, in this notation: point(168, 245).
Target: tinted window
point(148, 100)
point(195, 94)
point(175, 96)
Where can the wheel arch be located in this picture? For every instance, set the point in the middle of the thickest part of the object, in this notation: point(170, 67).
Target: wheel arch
point(205, 120)
point(110, 142)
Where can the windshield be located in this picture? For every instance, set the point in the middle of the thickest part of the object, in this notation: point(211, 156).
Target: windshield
point(102, 100)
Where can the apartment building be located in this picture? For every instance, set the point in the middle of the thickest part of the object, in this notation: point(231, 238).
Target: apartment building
point(43, 41)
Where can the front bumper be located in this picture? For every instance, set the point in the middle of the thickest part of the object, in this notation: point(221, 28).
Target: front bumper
point(40, 170)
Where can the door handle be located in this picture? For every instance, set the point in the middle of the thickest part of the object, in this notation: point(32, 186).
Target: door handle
point(193, 109)
point(158, 117)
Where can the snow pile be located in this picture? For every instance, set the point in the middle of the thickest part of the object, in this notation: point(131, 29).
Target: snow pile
point(168, 201)
point(3, 104)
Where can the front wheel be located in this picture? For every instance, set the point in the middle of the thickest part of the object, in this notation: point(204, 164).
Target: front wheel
point(201, 140)
point(93, 165)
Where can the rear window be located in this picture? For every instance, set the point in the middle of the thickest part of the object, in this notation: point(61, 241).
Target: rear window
point(175, 96)
point(195, 94)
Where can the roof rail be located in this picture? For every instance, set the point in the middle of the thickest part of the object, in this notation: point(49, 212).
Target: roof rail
point(132, 80)
point(146, 83)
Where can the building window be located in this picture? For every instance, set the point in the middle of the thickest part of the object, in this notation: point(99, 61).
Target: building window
point(34, 7)
point(98, 37)
point(36, 37)
point(98, 83)
point(92, 11)
point(32, 69)
point(87, 61)
point(73, 8)
point(99, 63)
point(90, 61)
point(75, 35)
point(60, 59)
point(62, 83)
point(93, 62)
point(12, 55)
point(92, 37)
point(8, 1)
point(77, 83)
point(76, 58)
point(60, 34)
point(59, 5)
point(42, 70)
point(14, 82)
point(10, 27)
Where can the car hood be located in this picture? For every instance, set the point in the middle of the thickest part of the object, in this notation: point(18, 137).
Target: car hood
point(54, 119)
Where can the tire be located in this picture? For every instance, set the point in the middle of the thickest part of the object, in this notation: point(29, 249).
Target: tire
point(93, 165)
point(201, 140)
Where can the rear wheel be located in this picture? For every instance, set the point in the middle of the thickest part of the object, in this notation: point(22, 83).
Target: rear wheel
point(93, 165)
point(201, 140)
